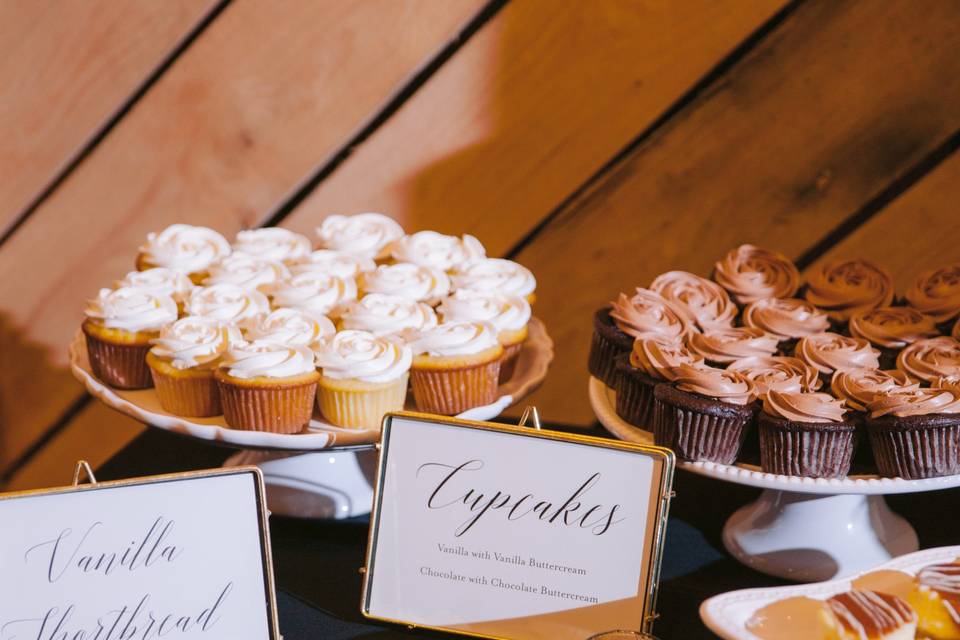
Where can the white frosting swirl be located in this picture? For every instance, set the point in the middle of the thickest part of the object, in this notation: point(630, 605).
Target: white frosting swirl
point(505, 313)
point(496, 275)
point(247, 271)
point(160, 280)
point(367, 234)
point(360, 355)
point(383, 314)
point(228, 303)
point(455, 339)
point(292, 326)
point(335, 263)
point(267, 359)
point(407, 280)
point(184, 247)
point(432, 249)
point(273, 243)
point(195, 341)
point(132, 309)
point(318, 293)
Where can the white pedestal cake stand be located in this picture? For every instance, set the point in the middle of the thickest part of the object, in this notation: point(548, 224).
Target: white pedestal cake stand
point(803, 529)
point(324, 471)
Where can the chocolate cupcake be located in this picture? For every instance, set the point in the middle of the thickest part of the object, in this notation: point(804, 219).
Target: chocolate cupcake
point(937, 294)
point(890, 329)
point(750, 273)
point(707, 303)
point(787, 319)
point(829, 352)
point(649, 363)
point(915, 434)
point(930, 359)
point(806, 434)
point(844, 288)
point(704, 413)
point(722, 346)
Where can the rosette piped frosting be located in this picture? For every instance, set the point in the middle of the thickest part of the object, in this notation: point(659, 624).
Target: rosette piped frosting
point(228, 303)
point(184, 247)
point(496, 275)
point(292, 326)
point(133, 309)
point(892, 327)
point(722, 384)
point(245, 270)
point(659, 357)
point(937, 292)
point(647, 314)
point(273, 243)
point(927, 360)
point(804, 407)
point(828, 352)
point(360, 355)
point(160, 280)
point(919, 401)
point(267, 359)
point(336, 263)
point(195, 342)
point(383, 314)
point(505, 313)
point(364, 234)
point(416, 282)
point(777, 373)
point(859, 387)
point(750, 273)
point(732, 343)
point(785, 318)
point(706, 302)
point(843, 288)
point(317, 293)
point(455, 339)
point(432, 249)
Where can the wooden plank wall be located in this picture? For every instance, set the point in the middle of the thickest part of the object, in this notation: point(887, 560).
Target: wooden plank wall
point(599, 143)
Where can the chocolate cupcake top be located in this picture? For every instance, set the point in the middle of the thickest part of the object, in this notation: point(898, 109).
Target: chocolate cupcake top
point(779, 373)
point(708, 304)
point(723, 385)
point(829, 352)
point(920, 401)
point(732, 343)
point(930, 359)
point(892, 327)
point(858, 387)
point(937, 292)
point(804, 407)
point(750, 273)
point(649, 315)
point(785, 318)
point(657, 357)
point(843, 288)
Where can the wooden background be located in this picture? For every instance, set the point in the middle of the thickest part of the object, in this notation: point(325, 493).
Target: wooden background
point(598, 142)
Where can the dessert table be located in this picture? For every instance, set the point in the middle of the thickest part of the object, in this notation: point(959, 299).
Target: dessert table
point(317, 562)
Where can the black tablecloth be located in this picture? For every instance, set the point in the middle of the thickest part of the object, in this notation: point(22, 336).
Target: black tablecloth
point(317, 562)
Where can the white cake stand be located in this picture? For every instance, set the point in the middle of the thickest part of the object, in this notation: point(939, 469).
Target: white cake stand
point(324, 471)
point(803, 529)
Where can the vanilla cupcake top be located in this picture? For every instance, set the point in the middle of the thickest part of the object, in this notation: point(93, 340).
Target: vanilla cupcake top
point(750, 273)
point(455, 339)
point(785, 318)
point(659, 357)
point(132, 309)
point(930, 359)
point(829, 352)
point(185, 248)
point(365, 234)
point(292, 326)
point(892, 327)
point(273, 243)
point(937, 292)
point(496, 275)
point(317, 293)
point(160, 280)
point(723, 385)
point(919, 401)
point(416, 282)
point(859, 387)
point(246, 270)
point(844, 288)
point(804, 407)
point(706, 302)
point(432, 249)
point(647, 314)
point(777, 373)
point(503, 312)
point(732, 343)
point(228, 303)
point(335, 263)
point(267, 359)
point(383, 314)
point(195, 341)
point(360, 355)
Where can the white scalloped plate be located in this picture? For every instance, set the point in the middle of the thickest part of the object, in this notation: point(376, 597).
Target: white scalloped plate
point(143, 405)
point(727, 614)
point(603, 401)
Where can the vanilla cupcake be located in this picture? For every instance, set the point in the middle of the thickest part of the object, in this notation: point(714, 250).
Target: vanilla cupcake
point(248, 271)
point(365, 234)
point(652, 361)
point(829, 352)
point(184, 248)
point(456, 366)
point(722, 346)
point(844, 288)
point(787, 319)
point(183, 361)
point(432, 249)
point(267, 386)
point(274, 244)
point(119, 326)
point(750, 274)
point(293, 327)
point(420, 283)
point(160, 280)
point(937, 294)
point(363, 378)
point(890, 329)
point(335, 263)
point(496, 275)
point(508, 315)
point(927, 360)
point(317, 293)
point(706, 302)
point(228, 303)
point(385, 315)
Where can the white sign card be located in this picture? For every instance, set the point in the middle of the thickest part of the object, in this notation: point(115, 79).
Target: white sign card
point(507, 532)
point(184, 556)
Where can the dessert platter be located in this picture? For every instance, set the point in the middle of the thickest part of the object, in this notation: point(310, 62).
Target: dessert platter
point(827, 396)
point(294, 353)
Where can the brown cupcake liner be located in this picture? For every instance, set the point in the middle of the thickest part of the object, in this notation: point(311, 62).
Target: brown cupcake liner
point(192, 397)
point(452, 391)
point(916, 447)
point(276, 409)
point(694, 433)
point(812, 450)
point(606, 344)
point(634, 394)
point(508, 362)
point(123, 366)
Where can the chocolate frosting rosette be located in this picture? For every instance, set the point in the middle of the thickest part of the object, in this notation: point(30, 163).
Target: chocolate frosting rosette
point(750, 273)
point(858, 387)
point(787, 319)
point(927, 360)
point(937, 293)
point(828, 352)
point(652, 360)
point(706, 302)
point(723, 346)
point(890, 329)
point(778, 373)
point(843, 288)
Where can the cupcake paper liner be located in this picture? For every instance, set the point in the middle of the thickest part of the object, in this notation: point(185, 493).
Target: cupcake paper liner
point(361, 408)
point(452, 391)
point(634, 394)
point(696, 431)
point(508, 362)
point(606, 344)
point(916, 447)
point(123, 366)
point(276, 409)
point(191, 396)
point(813, 450)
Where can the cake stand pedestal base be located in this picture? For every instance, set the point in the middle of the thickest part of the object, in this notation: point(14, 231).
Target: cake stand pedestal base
point(810, 537)
point(322, 485)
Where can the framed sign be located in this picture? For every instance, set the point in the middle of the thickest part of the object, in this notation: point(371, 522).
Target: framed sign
point(175, 556)
point(508, 532)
